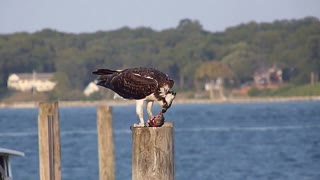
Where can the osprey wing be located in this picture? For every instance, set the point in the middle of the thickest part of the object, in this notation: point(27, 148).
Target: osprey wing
point(131, 85)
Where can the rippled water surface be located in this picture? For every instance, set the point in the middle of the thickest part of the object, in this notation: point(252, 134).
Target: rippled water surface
point(212, 141)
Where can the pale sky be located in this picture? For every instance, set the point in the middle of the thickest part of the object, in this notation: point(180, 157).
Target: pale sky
point(92, 15)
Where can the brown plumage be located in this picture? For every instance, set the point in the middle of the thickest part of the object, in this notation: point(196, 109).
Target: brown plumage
point(134, 83)
point(146, 84)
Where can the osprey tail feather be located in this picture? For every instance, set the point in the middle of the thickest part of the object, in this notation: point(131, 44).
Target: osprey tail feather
point(104, 72)
point(104, 77)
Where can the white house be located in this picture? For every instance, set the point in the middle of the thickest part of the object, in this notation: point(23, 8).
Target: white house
point(215, 88)
point(39, 82)
point(91, 88)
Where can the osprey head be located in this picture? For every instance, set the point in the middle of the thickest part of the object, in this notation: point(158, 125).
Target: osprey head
point(168, 100)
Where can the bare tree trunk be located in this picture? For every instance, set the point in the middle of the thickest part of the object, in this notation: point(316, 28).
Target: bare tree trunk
point(211, 93)
point(222, 96)
point(181, 81)
point(312, 78)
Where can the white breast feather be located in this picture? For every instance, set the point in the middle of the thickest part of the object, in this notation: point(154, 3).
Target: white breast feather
point(151, 97)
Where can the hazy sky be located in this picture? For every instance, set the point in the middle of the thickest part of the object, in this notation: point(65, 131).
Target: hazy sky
point(92, 15)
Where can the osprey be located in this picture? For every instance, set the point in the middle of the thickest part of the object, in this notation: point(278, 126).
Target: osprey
point(141, 84)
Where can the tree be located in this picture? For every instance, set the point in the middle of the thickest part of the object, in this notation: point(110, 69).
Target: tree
point(184, 52)
point(314, 58)
point(213, 70)
point(242, 61)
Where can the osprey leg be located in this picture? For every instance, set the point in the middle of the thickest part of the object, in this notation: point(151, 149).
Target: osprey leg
point(139, 110)
point(149, 109)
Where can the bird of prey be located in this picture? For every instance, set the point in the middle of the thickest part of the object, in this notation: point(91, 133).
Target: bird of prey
point(140, 84)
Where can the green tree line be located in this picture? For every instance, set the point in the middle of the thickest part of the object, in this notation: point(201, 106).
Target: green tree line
point(186, 52)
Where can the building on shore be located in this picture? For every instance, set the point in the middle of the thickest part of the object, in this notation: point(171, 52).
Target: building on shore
point(31, 82)
point(90, 89)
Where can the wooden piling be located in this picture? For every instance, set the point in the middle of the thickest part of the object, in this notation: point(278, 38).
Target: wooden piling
point(49, 141)
point(153, 153)
point(105, 143)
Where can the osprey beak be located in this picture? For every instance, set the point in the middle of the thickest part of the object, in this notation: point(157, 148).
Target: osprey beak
point(172, 92)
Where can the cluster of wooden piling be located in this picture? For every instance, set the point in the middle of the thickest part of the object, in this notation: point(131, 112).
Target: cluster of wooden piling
point(152, 148)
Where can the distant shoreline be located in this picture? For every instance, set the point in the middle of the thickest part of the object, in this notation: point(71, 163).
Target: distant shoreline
point(34, 104)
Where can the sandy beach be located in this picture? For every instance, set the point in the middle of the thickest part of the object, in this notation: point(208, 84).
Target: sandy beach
point(34, 104)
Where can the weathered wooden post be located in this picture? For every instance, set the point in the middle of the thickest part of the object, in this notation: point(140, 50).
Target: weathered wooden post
point(153, 153)
point(105, 143)
point(49, 141)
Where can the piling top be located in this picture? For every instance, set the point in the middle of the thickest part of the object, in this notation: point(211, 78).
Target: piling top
point(153, 153)
point(105, 107)
point(166, 124)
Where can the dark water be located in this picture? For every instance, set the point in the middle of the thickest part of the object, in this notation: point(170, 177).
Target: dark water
point(212, 141)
